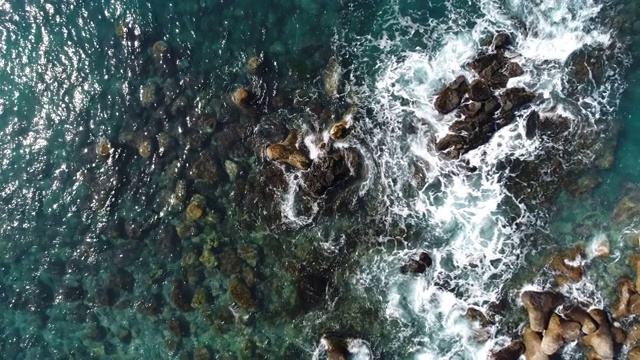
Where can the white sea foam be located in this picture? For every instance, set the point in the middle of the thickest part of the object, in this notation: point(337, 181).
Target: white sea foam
point(472, 237)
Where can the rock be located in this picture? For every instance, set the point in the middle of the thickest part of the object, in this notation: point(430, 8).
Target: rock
point(627, 208)
point(551, 126)
point(248, 253)
point(255, 65)
point(558, 331)
point(619, 335)
point(483, 61)
point(148, 96)
point(336, 348)
point(494, 77)
point(569, 265)
point(622, 306)
point(200, 298)
point(331, 78)
point(449, 98)
point(286, 152)
point(121, 279)
point(201, 353)
point(532, 341)
point(103, 149)
point(242, 98)
point(339, 130)
point(602, 339)
point(540, 305)
point(513, 69)
point(181, 296)
point(231, 168)
point(336, 168)
point(150, 305)
point(634, 353)
point(479, 90)
point(230, 263)
point(195, 209)
point(513, 98)
point(513, 351)
point(451, 141)
point(71, 293)
point(531, 124)
point(207, 257)
point(206, 169)
point(206, 123)
point(418, 266)
point(580, 315)
point(178, 327)
point(145, 147)
point(501, 40)
point(166, 143)
point(240, 294)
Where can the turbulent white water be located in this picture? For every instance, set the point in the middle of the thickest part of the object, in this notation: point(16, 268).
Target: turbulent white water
point(471, 237)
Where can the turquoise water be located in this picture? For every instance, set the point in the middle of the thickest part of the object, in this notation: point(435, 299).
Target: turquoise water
point(101, 259)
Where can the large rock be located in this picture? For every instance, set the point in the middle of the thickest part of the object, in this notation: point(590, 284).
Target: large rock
point(602, 339)
point(624, 291)
point(509, 352)
point(450, 97)
point(334, 169)
point(628, 206)
point(532, 341)
point(287, 152)
point(580, 315)
point(557, 333)
point(540, 305)
point(513, 98)
point(479, 90)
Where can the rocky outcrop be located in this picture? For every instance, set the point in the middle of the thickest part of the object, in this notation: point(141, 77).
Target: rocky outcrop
point(451, 96)
point(532, 342)
point(602, 339)
point(557, 333)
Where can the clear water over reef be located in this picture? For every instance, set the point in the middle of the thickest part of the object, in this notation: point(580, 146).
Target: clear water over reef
point(263, 180)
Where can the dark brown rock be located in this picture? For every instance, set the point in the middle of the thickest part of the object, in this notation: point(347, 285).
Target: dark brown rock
point(509, 352)
point(513, 69)
point(178, 327)
point(513, 98)
point(501, 40)
point(181, 296)
point(241, 294)
point(531, 124)
point(450, 97)
point(479, 90)
point(417, 266)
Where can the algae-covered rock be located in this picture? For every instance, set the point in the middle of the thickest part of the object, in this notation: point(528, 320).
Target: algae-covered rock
point(148, 95)
point(248, 253)
point(180, 296)
point(208, 258)
point(200, 298)
point(241, 294)
point(103, 149)
point(195, 209)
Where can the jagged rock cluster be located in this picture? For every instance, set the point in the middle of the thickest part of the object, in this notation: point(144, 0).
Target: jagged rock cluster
point(483, 105)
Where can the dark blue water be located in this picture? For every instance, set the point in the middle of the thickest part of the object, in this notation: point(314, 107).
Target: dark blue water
point(141, 216)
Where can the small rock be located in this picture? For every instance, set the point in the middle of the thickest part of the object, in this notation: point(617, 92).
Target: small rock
point(501, 40)
point(513, 69)
point(181, 296)
point(418, 266)
point(240, 294)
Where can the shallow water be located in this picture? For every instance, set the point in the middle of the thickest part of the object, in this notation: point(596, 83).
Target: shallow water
point(101, 260)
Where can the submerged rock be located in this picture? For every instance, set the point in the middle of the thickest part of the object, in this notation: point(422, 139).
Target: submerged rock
point(181, 296)
point(628, 206)
point(331, 78)
point(451, 96)
point(241, 294)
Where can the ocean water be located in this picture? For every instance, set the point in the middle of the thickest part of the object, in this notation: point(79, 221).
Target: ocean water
point(141, 217)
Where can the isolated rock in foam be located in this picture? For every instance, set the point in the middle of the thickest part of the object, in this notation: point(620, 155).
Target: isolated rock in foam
point(602, 339)
point(450, 97)
point(540, 305)
point(557, 333)
point(580, 315)
point(532, 341)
